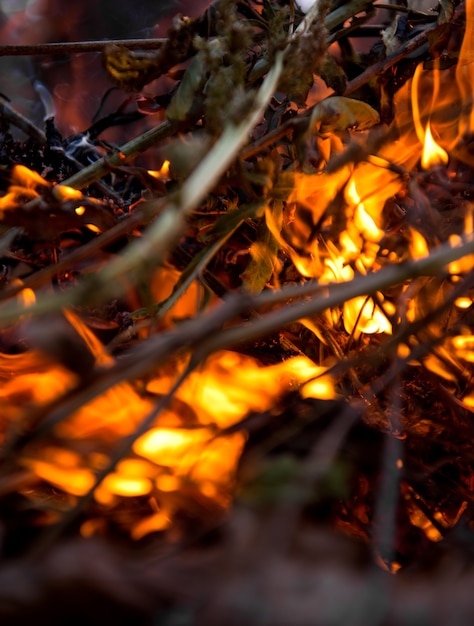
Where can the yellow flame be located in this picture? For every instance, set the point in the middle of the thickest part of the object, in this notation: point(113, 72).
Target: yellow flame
point(221, 393)
point(168, 483)
point(172, 447)
point(24, 177)
point(360, 315)
point(27, 297)
point(469, 401)
point(126, 486)
point(433, 154)
point(232, 384)
point(64, 193)
point(93, 228)
point(75, 480)
point(32, 388)
point(162, 172)
point(418, 245)
point(463, 302)
point(419, 519)
point(153, 523)
point(464, 346)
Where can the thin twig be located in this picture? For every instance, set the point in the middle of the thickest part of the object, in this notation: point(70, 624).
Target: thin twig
point(72, 47)
point(21, 122)
point(125, 153)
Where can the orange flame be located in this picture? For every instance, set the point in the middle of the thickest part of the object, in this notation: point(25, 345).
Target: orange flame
point(162, 172)
point(433, 154)
point(183, 447)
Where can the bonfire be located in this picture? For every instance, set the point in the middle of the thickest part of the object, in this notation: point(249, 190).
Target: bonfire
point(237, 326)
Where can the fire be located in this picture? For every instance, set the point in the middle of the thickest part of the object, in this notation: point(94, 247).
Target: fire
point(184, 447)
point(27, 297)
point(45, 210)
point(63, 192)
point(429, 130)
point(24, 184)
point(433, 154)
point(162, 172)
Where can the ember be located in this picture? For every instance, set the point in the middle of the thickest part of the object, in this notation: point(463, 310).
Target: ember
point(256, 337)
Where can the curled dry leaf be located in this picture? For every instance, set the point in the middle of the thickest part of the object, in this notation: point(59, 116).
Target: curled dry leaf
point(338, 114)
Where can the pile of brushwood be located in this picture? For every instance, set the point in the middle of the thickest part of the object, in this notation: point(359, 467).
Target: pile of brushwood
point(331, 496)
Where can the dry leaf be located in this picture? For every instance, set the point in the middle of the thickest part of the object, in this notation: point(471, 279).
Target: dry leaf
point(338, 114)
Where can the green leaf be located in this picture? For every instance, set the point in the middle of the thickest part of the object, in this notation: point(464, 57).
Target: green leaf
point(187, 100)
point(264, 258)
point(260, 268)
